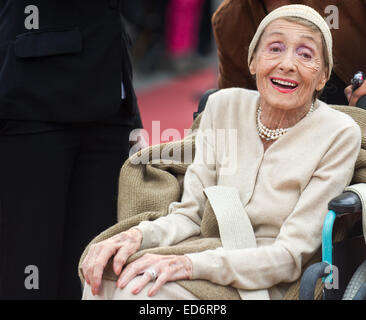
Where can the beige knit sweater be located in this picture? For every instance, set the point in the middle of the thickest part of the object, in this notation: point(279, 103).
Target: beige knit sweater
point(285, 190)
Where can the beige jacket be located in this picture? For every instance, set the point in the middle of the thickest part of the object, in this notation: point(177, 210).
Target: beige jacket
point(285, 190)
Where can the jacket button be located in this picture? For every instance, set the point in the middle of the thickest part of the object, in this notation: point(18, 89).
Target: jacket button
point(114, 4)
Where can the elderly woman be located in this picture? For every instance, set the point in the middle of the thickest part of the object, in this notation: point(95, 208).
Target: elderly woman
point(294, 153)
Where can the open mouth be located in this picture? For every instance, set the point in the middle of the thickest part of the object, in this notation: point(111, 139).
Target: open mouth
point(284, 86)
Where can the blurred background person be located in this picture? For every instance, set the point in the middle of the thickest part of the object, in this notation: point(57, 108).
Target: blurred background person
point(174, 59)
point(146, 22)
point(171, 35)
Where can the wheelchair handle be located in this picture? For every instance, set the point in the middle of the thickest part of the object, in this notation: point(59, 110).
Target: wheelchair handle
point(347, 202)
point(203, 101)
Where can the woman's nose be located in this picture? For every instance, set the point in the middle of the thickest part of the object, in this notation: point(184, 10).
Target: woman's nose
point(288, 62)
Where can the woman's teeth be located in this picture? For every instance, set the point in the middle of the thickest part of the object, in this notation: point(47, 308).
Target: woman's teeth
point(284, 83)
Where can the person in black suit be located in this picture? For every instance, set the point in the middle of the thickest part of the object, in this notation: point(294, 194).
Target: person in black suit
point(67, 107)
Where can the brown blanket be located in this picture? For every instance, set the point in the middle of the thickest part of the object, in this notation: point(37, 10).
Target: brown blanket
point(146, 190)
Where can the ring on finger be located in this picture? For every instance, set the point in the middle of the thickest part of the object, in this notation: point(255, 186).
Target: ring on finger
point(152, 273)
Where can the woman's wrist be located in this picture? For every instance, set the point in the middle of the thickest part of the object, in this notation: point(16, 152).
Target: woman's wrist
point(137, 234)
point(189, 266)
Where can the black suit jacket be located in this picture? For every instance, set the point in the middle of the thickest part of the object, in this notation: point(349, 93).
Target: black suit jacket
point(71, 68)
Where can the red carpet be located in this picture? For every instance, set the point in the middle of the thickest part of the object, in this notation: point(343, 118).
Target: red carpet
point(173, 104)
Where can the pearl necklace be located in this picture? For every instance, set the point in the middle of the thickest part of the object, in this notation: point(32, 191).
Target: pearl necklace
point(273, 134)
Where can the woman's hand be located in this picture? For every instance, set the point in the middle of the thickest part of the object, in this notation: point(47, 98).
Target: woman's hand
point(167, 268)
point(122, 246)
point(353, 97)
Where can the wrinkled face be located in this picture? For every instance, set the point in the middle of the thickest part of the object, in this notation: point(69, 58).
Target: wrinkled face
point(288, 65)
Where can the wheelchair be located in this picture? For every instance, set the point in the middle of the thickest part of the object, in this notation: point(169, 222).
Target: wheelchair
point(343, 265)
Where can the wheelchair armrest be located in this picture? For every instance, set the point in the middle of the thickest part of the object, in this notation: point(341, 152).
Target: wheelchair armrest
point(347, 202)
point(309, 279)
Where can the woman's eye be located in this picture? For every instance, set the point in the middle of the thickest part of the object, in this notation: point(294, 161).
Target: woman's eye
point(275, 47)
point(305, 53)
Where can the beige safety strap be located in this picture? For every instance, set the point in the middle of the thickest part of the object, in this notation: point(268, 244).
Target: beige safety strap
point(236, 231)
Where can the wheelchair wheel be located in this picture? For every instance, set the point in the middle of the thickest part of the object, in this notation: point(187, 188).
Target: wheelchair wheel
point(357, 281)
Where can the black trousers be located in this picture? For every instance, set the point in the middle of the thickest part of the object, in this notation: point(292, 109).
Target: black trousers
point(58, 190)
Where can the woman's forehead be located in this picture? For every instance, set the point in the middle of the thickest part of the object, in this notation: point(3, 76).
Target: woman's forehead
point(291, 30)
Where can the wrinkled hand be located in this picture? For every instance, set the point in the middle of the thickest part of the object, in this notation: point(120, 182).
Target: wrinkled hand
point(122, 246)
point(353, 97)
point(167, 267)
